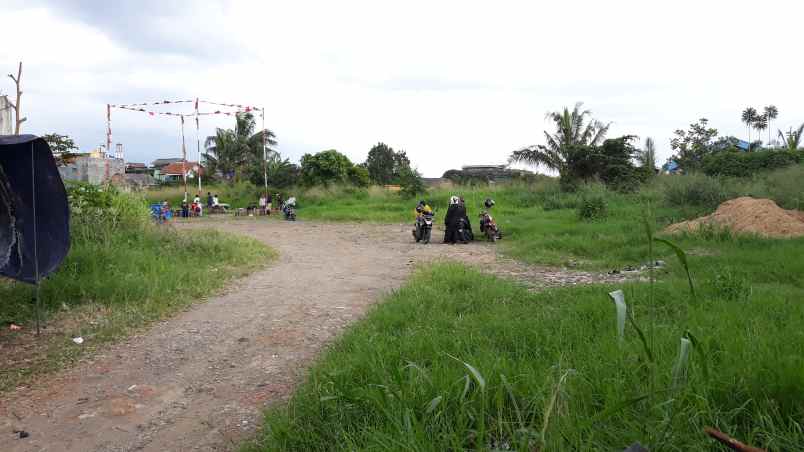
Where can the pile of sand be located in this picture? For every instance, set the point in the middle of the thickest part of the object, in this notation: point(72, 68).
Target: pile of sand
point(749, 216)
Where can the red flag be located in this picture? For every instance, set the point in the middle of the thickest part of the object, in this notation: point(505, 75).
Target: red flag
point(248, 109)
point(196, 104)
point(151, 113)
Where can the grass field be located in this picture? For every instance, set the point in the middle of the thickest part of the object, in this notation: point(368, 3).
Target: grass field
point(457, 360)
point(122, 272)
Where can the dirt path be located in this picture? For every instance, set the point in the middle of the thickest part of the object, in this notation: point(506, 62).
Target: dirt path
point(200, 380)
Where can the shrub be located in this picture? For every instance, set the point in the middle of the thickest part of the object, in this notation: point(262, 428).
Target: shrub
point(358, 176)
point(745, 164)
point(696, 190)
point(411, 182)
point(730, 285)
point(592, 206)
point(785, 187)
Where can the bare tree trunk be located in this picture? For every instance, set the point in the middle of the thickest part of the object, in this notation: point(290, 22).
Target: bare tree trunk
point(16, 104)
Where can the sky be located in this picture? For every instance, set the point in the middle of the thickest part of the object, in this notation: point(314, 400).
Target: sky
point(451, 82)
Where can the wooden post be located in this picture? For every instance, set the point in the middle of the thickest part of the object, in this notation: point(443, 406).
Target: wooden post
point(16, 104)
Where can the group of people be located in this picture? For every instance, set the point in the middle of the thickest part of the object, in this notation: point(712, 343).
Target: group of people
point(196, 208)
point(458, 228)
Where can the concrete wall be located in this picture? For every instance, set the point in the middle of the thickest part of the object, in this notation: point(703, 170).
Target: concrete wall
point(92, 170)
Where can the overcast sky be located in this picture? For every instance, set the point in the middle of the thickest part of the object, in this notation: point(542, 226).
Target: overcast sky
point(452, 83)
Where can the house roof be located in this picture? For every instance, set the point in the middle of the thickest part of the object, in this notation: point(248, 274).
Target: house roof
point(165, 162)
point(176, 168)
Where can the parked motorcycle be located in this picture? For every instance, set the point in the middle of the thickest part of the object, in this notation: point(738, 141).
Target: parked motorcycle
point(488, 227)
point(423, 228)
point(290, 213)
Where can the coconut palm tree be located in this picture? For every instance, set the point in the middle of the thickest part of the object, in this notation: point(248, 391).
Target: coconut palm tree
point(572, 129)
point(761, 123)
point(771, 112)
point(232, 152)
point(792, 139)
point(749, 117)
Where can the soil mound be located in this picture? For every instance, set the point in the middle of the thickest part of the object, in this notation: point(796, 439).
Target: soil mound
point(749, 216)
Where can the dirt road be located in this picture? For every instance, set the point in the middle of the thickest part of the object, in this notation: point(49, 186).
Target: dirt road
point(200, 380)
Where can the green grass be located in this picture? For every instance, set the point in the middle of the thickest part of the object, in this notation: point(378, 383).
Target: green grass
point(121, 275)
point(459, 360)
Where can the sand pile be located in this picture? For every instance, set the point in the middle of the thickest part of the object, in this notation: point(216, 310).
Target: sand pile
point(749, 216)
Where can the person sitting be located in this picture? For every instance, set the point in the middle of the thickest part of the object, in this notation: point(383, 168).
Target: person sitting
point(466, 229)
point(488, 204)
point(453, 221)
point(215, 201)
point(422, 208)
point(197, 209)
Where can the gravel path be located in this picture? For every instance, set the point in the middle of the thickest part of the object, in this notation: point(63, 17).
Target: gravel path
point(200, 380)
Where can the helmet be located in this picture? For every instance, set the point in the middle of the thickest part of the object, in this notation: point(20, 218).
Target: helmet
point(419, 208)
point(488, 203)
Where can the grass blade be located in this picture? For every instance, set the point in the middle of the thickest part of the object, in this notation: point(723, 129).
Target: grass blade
point(680, 369)
point(619, 302)
point(682, 257)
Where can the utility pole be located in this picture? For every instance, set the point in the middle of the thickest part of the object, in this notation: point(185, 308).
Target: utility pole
point(16, 104)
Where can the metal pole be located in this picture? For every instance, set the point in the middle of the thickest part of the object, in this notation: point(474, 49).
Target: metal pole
point(108, 128)
point(198, 145)
point(35, 241)
point(183, 159)
point(264, 154)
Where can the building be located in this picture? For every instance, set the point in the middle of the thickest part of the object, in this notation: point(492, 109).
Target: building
point(92, 167)
point(488, 173)
point(137, 168)
point(161, 163)
point(174, 172)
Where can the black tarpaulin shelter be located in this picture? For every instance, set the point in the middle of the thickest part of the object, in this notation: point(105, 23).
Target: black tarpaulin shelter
point(34, 214)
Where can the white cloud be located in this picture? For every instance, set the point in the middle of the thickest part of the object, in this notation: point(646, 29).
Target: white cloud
point(450, 82)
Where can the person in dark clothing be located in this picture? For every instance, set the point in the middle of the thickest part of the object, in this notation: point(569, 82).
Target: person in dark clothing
point(452, 221)
point(468, 235)
point(209, 199)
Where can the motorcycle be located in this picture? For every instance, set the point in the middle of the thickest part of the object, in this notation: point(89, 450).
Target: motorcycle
point(488, 227)
point(290, 213)
point(423, 228)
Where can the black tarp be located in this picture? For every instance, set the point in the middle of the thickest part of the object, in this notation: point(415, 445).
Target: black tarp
point(28, 172)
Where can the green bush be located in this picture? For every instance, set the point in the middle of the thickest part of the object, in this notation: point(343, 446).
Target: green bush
point(730, 285)
point(746, 164)
point(592, 207)
point(694, 190)
point(786, 187)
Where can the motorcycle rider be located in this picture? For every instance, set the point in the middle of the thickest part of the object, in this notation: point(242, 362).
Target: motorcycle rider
point(422, 208)
point(488, 204)
point(456, 212)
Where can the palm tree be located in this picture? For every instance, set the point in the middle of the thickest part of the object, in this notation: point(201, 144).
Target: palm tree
point(647, 157)
point(233, 151)
point(772, 113)
point(792, 140)
point(572, 130)
point(761, 123)
point(749, 117)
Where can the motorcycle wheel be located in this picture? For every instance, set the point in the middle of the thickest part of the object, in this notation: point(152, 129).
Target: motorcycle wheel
point(426, 238)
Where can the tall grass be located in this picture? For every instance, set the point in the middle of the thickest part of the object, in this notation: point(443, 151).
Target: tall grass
point(459, 360)
point(125, 268)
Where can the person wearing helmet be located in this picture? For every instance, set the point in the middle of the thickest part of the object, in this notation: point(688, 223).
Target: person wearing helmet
point(456, 212)
point(422, 208)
